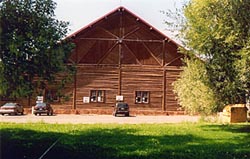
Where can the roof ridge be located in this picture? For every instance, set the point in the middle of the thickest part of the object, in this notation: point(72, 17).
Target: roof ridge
point(122, 8)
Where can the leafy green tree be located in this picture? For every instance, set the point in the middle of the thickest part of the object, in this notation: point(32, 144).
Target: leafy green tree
point(219, 30)
point(32, 51)
point(193, 90)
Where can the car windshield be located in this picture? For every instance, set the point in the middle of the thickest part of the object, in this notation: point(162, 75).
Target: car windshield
point(41, 104)
point(9, 104)
point(122, 105)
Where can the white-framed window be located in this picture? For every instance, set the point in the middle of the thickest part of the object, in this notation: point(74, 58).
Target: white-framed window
point(97, 96)
point(141, 96)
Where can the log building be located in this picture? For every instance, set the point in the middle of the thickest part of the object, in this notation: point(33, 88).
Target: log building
point(121, 57)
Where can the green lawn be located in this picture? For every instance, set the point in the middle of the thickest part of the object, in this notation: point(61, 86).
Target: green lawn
point(125, 141)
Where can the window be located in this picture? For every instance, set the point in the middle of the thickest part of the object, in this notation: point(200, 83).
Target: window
point(52, 95)
point(97, 96)
point(141, 97)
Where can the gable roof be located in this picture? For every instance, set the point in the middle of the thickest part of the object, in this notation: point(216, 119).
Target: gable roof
point(120, 9)
point(121, 37)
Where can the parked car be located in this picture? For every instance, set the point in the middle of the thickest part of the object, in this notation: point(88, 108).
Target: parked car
point(11, 109)
point(121, 108)
point(42, 108)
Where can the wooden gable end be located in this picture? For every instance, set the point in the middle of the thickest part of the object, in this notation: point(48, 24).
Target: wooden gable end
point(121, 37)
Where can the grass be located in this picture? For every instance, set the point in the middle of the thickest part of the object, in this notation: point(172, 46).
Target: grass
point(125, 141)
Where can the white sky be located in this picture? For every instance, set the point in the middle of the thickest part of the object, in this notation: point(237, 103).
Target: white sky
point(82, 12)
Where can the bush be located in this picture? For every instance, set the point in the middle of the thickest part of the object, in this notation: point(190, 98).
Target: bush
point(192, 89)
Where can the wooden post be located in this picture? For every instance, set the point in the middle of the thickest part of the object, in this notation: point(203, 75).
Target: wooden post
point(74, 92)
point(163, 53)
point(163, 77)
point(119, 70)
point(164, 91)
point(120, 41)
point(75, 81)
point(119, 81)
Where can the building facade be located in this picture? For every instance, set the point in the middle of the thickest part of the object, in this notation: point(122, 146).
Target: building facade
point(121, 57)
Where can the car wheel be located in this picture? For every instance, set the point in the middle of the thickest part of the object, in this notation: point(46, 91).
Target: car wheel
point(35, 114)
point(39, 114)
point(2, 114)
point(127, 114)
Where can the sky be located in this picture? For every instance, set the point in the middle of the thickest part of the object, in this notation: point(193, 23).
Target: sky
point(80, 13)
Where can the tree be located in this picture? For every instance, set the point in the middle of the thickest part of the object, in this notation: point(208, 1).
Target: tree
point(218, 31)
point(193, 90)
point(222, 30)
point(32, 49)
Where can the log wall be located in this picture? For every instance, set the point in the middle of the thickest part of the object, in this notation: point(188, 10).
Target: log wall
point(172, 74)
point(131, 79)
point(142, 79)
point(96, 78)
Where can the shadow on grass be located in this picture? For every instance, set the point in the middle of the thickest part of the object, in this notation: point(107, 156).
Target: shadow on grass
point(117, 143)
point(20, 143)
point(236, 128)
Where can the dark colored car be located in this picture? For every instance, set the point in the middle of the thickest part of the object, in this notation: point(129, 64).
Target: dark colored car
point(11, 109)
point(121, 108)
point(43, 108)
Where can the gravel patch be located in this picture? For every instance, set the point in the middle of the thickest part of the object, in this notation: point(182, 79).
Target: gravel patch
point(93, 119)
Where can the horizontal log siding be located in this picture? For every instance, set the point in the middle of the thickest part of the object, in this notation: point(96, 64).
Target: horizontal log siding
point(66, 101)
point(142, 78)
point(172, 73)
point(65, 104)
point(96, 78)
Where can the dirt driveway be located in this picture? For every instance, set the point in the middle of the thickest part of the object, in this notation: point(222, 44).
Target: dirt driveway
point(92, 119)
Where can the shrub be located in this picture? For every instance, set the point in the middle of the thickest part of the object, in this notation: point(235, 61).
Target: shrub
point(192, 89)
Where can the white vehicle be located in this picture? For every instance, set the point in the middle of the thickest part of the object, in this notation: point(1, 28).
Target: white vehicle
point(11, 109)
